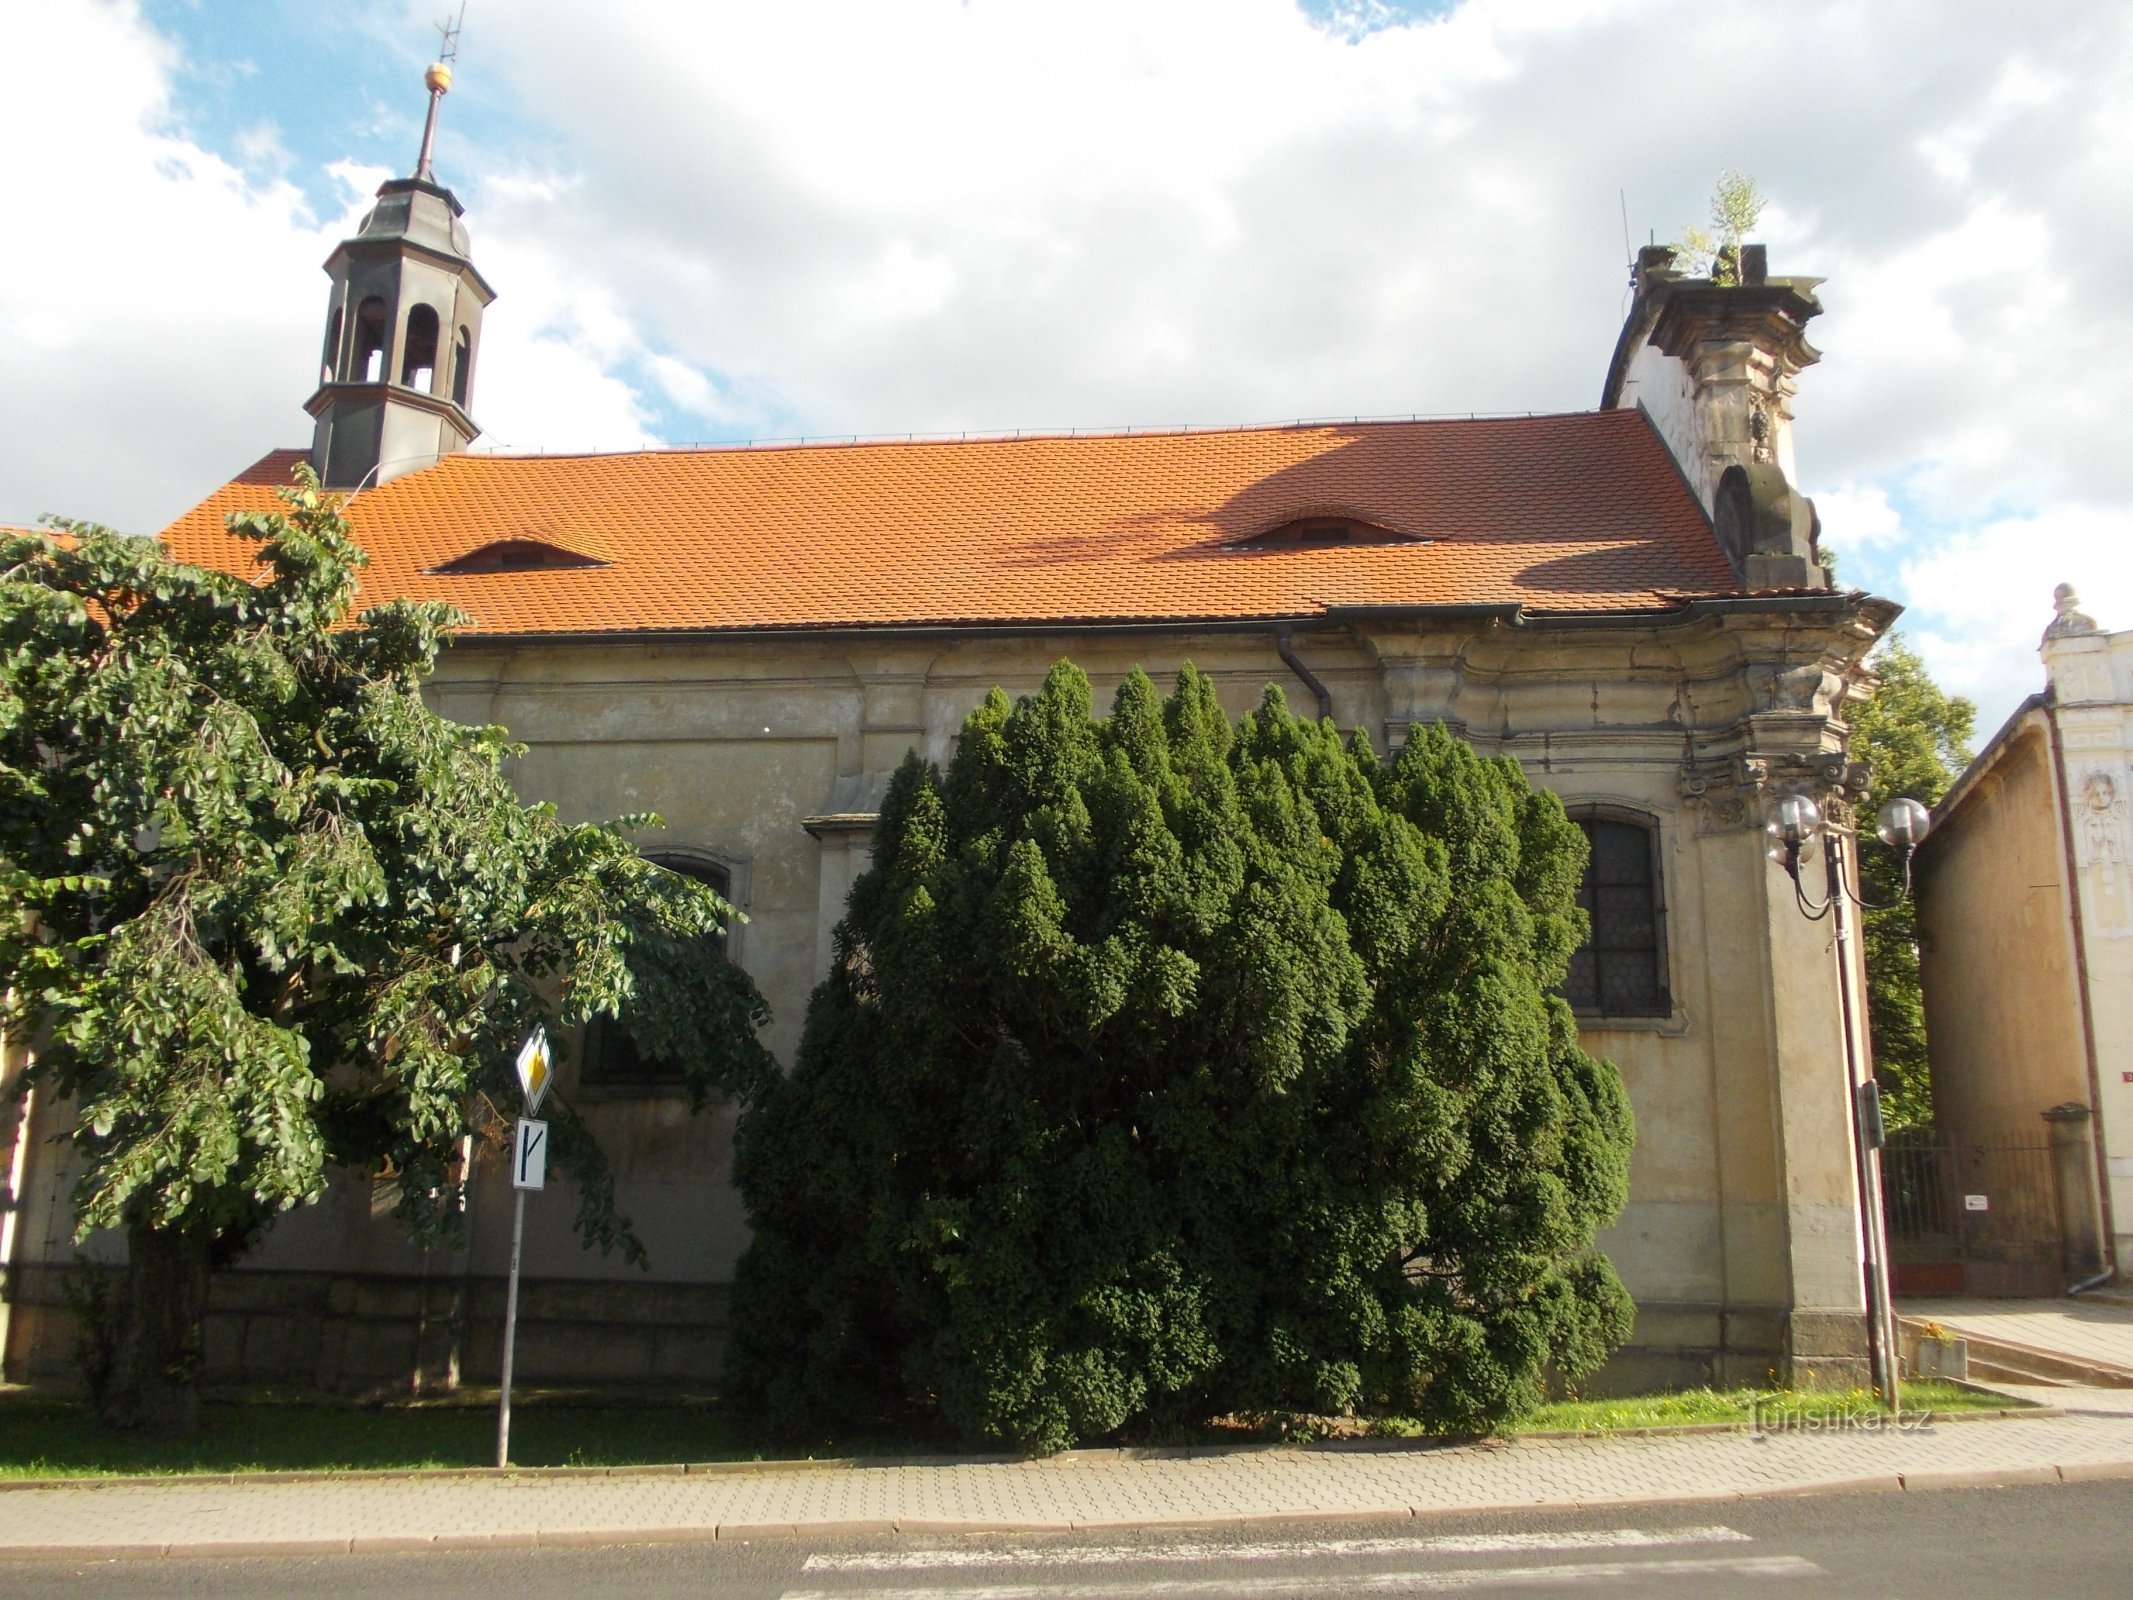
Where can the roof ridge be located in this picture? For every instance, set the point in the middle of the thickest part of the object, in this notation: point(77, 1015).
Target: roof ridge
point(846, 441)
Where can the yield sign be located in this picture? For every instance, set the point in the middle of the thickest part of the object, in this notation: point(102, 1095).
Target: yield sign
point(534, 1070)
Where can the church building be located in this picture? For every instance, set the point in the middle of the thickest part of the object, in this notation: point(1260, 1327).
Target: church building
point(748, 639)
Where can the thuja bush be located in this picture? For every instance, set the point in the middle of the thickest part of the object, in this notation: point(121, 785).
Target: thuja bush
point(1168, 1068)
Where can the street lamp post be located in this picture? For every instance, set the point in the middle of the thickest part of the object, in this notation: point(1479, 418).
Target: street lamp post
point(1796, 822)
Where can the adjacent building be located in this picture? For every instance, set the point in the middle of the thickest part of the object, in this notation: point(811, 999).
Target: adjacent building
point(2025, 903)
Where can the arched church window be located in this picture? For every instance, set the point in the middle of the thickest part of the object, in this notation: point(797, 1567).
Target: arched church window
point(367, 360)
point(418, 361)
point(462, 360)
point(1620, 970)
point(611, 1058)
point(333, 347)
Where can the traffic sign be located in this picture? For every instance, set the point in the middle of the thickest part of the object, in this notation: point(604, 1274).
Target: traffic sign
point(534, 1070)
point(529, 1155)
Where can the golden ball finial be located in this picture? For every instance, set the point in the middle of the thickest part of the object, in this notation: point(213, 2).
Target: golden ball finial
point(439, 77)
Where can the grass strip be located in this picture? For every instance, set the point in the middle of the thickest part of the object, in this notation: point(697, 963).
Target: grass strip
point(46, 1437)
point(1760, 1407)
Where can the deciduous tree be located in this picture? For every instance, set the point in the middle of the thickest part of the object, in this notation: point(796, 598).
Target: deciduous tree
point(1915, 739)
point(266, 912)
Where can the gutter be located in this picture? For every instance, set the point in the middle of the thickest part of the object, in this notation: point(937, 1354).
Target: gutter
point(1512, 614)
point(2109, 1241)
point(1284, 649)
point(1819, 602)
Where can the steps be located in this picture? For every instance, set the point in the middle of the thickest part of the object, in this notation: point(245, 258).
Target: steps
point(1998, 1361)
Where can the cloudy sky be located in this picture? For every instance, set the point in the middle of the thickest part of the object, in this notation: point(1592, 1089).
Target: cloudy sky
point(714, 221)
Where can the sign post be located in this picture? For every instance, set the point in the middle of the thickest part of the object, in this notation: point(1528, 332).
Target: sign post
point(529, 1170)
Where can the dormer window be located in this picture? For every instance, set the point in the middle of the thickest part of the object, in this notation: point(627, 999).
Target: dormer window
point(1318, 530)
point(516, 555)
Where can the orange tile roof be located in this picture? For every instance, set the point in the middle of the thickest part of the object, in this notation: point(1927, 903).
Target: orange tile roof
point(1580, 512)
point(23, 530)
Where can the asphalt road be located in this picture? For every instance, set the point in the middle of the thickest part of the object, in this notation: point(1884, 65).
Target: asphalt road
point(2033, 1542)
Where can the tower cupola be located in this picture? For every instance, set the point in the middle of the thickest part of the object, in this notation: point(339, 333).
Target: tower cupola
point(403, 330)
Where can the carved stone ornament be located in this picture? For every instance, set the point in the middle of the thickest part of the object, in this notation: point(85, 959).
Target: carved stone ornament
point(2101, 844)
point(1738, 791)
point(1762, 429)
point(2069, 621)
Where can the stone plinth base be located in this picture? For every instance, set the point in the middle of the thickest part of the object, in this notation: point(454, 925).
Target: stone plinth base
point(390, 1337)
point(379, 1336)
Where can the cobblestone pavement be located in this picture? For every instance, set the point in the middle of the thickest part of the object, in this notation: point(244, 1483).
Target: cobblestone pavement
point(2074, 1399)
point(1082, 1489)
point(2086, 1329)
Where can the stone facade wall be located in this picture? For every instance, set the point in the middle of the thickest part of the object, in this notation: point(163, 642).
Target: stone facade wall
point(1740, 1240)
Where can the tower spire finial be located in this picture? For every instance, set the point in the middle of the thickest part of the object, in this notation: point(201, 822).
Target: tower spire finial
point(439, 79)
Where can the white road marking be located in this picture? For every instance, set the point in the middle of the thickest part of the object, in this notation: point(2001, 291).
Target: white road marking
point(1446, 1581)
point(1458, 1544)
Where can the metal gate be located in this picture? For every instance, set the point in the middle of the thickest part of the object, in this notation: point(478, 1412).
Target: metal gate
point(1972, 1219)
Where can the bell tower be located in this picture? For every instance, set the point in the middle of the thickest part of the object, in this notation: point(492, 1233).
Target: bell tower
point(403, 330)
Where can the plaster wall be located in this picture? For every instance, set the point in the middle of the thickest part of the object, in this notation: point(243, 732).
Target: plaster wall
point(1664, 387)
point(2003, 1021)
point(1698, 421)
point(2092, 683)
point(1739, 1241)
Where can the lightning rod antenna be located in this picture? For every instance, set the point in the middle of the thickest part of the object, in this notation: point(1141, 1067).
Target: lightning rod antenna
point(448, 34)
point(439, 80)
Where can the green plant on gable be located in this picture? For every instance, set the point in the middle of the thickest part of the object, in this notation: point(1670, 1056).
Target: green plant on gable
point(1169, 1068)
point(272, 913)
point(1736, 207)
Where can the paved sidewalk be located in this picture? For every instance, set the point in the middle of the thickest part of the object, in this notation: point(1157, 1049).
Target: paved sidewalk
point(1082, 1489)
point(2087, 1330)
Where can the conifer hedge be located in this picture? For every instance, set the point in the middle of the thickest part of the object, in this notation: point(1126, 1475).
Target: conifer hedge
point(1168, 1069)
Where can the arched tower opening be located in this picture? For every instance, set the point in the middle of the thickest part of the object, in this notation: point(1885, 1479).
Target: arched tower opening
point(418, 361)
point(462, 366)
point(368, 363)
point(330, 358)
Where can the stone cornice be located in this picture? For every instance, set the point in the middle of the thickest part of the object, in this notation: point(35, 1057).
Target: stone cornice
point(1772, 317)
point(1737, 791)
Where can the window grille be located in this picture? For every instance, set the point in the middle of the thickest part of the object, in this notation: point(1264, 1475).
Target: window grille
point(1620, 971)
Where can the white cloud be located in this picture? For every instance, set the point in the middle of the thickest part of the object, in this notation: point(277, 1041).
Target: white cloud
point(119, 401)
point(1857, 517)
point(849, 216)
point(1981, 597)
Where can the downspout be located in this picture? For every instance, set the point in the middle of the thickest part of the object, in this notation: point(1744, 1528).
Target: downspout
point(1866, 1156)
point(1284, 649)
point(2081, 989)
